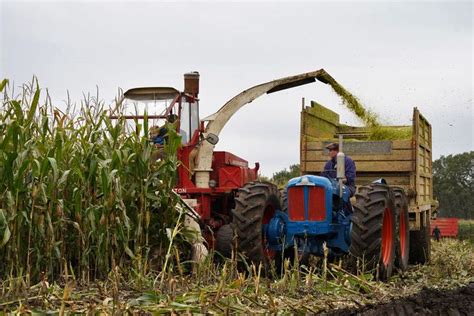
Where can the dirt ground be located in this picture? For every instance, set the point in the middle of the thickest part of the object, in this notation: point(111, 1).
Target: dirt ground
point(445, 286)
point(427, 302)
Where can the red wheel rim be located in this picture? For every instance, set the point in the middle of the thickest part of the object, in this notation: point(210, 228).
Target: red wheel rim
point(387, 236)
point(403, 230)
point(267, 216)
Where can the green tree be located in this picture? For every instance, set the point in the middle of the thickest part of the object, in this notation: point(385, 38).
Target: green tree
point(453, 185)
point(280, 178)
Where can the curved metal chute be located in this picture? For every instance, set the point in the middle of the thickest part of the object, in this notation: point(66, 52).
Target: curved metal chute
point(218, 120)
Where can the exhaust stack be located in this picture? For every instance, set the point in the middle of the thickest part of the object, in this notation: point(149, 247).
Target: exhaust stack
point(191, 83)
point(341, 166)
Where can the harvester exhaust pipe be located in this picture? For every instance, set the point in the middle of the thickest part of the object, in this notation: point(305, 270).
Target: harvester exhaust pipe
point(341, 166)
point(191, 83)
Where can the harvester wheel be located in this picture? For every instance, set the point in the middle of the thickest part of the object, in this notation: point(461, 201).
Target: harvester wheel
point(255, 206)
point(420, 245)
point(373, 231)
point(224, 240)
point(403, 229)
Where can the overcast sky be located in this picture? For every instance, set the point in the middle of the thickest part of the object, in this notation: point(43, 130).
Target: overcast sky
point(393, 56)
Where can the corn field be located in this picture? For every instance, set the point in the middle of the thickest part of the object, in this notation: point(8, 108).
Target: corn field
point(89, 224)
point(79, 193)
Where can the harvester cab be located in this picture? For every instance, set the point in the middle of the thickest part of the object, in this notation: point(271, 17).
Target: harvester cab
point(177, 107)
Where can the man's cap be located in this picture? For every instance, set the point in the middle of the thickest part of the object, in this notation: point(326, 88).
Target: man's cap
point(333, 146)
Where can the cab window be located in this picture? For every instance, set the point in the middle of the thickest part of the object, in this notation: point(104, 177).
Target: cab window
point(189, 120)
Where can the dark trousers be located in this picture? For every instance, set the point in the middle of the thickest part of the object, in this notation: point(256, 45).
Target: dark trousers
point(352, 189)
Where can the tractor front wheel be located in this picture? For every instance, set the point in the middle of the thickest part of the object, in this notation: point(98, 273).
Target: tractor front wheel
point(373, 230)
point(224, 240)
point(255, 206)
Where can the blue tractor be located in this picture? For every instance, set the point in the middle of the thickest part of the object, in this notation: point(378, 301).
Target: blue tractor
point(313, 212)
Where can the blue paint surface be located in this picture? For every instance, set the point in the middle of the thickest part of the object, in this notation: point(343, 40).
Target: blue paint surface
point(309, 236)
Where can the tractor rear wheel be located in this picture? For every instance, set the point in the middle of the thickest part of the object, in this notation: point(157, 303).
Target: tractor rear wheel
point(420, 245)
point(373, 230)
point(255, 206)
point(403, 229)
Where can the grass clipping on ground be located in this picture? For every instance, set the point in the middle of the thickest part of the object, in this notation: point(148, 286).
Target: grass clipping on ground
point(219, 287)
point(376, 130)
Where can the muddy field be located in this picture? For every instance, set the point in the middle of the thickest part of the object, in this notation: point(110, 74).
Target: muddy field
point(443, 287)
point(428, 301)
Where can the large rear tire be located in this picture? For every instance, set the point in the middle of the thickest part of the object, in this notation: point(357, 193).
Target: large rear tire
point(255, 206)
point(420, 245)
point(373, 231)
point(403, 229)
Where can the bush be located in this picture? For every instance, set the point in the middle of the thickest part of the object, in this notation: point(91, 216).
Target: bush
point(466, 230)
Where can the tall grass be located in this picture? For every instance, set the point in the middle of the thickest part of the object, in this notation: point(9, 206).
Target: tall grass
point(79, 193)
point(466, 230)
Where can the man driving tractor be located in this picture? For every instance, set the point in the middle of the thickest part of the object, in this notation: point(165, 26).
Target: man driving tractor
point(331, 166)
point(330, 171)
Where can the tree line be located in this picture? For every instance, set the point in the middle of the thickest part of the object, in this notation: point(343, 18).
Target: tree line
point(453, 185)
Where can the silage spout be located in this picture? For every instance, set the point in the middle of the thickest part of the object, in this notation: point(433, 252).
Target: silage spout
point(324, 77)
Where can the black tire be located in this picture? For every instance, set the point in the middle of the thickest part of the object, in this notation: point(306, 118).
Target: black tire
point(403, 229)
point(420, 245)
point(374, 217)
point(224, 240)
point(256, 202)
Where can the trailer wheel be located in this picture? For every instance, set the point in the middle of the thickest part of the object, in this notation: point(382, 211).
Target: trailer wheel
point(403, 229)
point(420, 245)
point(255, 206)
point(373, 231)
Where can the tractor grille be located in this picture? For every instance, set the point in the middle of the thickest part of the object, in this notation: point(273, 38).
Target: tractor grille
point(316, 204)
point(296, 204)
point(306, 203)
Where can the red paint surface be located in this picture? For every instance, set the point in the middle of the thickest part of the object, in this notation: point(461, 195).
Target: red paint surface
point(296, 204)
point(449, 227)
point(317, 204)
point(387, 236)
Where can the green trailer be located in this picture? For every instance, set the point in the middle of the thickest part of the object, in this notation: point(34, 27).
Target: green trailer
point(399, 154)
